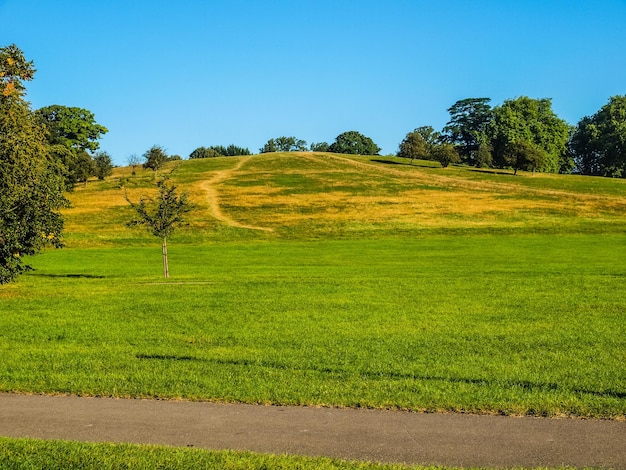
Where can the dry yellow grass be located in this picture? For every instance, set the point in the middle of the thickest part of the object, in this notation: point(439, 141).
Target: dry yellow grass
point(302, 191)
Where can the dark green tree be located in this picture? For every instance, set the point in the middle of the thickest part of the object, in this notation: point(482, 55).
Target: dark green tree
point(466, 129)
point(284, 144)
point(73, 134)
point(154, 158)
point(162, 214)
point(354, 143)
point(319, 147)
point(523, 155)
point(445, 153)
point(598, 143)
point(204, 152)
point(531, 121)
point(31, 185)
point(103, 165)
point(413, 146)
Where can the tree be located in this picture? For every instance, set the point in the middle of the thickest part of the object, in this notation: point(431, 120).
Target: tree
point(103, 165)
point(284, 144)
point(319, 147)
point(445, 153)
point(523, 155)
point(133, 161)
point(598, 143)
point(31, 182)
point(161, 215)
point(468, 123)
point(532, 121)
point(73, 134)
point(413, 146)
point(204, 152)
point(155, 158)
point(354, 143)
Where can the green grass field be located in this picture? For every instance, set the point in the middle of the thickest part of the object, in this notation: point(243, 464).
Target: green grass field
point(325, 280)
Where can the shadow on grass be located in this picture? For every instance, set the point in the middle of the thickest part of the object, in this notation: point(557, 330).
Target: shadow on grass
point(390, 162)
point(74, 276)
point(373, 375)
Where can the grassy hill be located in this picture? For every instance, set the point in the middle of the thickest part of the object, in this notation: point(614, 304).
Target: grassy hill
point(334, 280)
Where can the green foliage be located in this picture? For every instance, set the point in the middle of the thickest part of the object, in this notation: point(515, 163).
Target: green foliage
point(103, 165)
point(531, 121)
point(284, 144)
point(423, 143)
point(161, 215)
point(354, 143)
point(154, 158)
point(319, 146)
point(31, 186)
point(445, 154)
point(467, 127)
point(219, 151)
point(73, 135)
point(599, 141)
point(523, 155)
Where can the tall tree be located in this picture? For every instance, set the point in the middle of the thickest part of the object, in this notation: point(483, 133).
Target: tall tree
point(73, 134)
point(31, 185)
point(531, 121)
point(413, 146)
point(161, 215)
point(467, 126)
point(599, 141)
point(354, 143)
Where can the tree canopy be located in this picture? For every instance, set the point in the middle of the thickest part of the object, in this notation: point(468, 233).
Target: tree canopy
point(533, 122)
point(467, 127)
point(73, 135)
point(284, 144)
point(355, 143)
point(154, 158)
point(599, 141)
point(31, 185)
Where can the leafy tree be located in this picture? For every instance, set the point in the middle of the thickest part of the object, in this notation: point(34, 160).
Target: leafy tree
point(284, 144)
point(31, 184)
point(354, 143)
point(319, 147)
point(155, 158)
point(466, 129)
point(532, 121)
point(598, 143)
point(103, 165)
point(445, 153)
point(161, 215)
point(204, 152)
point(419, 143)
point(523, 155)
point(73, 134)
point(413, 146)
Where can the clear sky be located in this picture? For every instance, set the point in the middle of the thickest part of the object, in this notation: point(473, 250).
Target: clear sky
point(187, 73)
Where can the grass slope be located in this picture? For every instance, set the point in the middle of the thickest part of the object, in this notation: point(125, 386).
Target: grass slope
point(379, 284)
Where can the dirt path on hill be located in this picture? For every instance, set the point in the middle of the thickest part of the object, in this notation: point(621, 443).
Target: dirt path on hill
point(373, 435)
point(212, 194)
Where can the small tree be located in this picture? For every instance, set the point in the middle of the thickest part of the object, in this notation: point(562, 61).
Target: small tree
point(445, 154)
point(133, 161)
point(103, 165)
point(162, 214)
point(155, 158)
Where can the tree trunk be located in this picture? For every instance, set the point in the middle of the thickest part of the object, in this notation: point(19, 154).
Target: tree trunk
point(166, 270)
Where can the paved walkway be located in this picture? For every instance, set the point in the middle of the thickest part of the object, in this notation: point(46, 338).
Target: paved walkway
point(384, 436)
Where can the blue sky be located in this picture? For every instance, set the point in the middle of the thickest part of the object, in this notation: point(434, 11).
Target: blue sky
point(192, 73)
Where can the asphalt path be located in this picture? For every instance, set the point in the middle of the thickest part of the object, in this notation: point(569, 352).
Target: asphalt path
point(372, 435)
